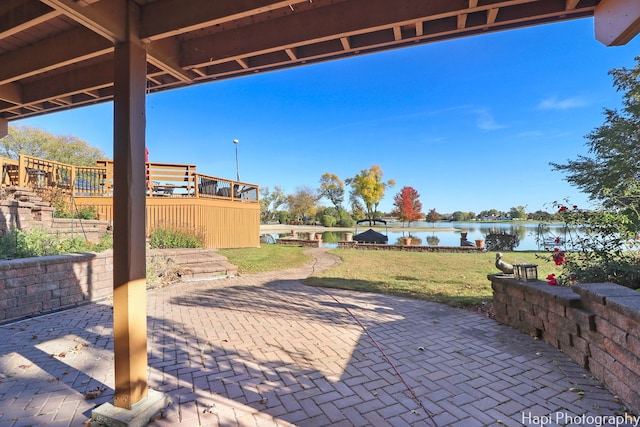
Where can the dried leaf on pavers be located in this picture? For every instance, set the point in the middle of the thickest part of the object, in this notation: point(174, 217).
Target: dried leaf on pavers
point(95, 393)
point(25, 366)
point(79, 347)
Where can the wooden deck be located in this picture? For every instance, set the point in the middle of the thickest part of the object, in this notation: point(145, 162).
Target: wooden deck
point(225, 212)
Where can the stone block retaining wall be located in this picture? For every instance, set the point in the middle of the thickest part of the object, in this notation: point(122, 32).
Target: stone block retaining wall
point(300, 242)
point(595, 324)
point(31, 286)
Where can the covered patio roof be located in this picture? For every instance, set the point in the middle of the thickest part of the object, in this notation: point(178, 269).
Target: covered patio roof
point(59, 54)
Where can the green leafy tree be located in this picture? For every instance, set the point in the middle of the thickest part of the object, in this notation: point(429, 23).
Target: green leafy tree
point(610, 174)
point(332, 188)
point(369, 187)
point(270, 201)
point(408, 207)
point(459, 216)
point(518, 212)
point(35, 142)
point(488, 214)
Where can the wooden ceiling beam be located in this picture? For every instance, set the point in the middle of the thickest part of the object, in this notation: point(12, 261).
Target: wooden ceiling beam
point(492, 14)
point(571, 4)
point(16, 16)
point(90, 78)
point(165, 54)
point(11, 93)
point(56, 52)
point(106, 18)
point(312, 26)
point(160, 20)
point(322, 24)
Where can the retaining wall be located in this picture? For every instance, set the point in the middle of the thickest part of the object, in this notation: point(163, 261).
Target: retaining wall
point(595, 324)
point(408, 248)
point(300, 242)
point(32, 286)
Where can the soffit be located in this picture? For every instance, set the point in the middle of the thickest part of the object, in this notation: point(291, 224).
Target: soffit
point(58, 54)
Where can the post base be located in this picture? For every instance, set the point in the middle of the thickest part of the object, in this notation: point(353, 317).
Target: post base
point(139, 415)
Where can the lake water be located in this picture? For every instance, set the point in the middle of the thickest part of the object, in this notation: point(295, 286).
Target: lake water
point(529, 234)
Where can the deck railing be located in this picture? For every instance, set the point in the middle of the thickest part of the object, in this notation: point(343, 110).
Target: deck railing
point(224, 212)
point(162, 179)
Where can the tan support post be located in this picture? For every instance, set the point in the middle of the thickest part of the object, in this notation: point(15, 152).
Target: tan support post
point(617, 21)
point(4, 127)
point(129, 280)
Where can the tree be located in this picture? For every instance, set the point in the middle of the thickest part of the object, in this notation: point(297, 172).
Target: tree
point(432, 216)
point(611, 173)
point(518, 212)
point(332, 188)
point(369, 187)
point(459, 216)
point(303, 204)
point(35, 142)
point(270, 201)
point(408, 205)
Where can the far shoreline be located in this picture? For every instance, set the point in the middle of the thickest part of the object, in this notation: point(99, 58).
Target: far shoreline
point(284, 228)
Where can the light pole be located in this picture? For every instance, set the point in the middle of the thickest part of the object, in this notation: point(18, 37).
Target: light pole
point(235, 142)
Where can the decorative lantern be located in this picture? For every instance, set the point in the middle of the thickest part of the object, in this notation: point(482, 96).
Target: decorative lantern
point(525, 272)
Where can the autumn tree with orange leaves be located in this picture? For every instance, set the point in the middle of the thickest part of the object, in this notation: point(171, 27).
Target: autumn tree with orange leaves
point(408, 207)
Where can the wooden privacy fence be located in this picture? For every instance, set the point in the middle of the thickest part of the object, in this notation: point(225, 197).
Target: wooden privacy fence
point(224, 212)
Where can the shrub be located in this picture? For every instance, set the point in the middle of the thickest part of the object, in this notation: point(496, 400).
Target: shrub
point(176, 237)
point(501, 242)
point(328, 221)
point(39, 242)
point(600, 246)
point(345, 220)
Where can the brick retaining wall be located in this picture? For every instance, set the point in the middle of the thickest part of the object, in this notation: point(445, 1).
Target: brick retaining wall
point(595, 324)
point(32, 286)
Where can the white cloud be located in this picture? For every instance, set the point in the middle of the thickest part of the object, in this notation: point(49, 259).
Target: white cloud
point(485, 121)
point(553, 103)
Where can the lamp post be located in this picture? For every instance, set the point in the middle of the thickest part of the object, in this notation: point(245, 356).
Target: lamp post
point(235, 142)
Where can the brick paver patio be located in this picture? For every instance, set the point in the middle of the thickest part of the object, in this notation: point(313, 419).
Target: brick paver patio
point(266, 350)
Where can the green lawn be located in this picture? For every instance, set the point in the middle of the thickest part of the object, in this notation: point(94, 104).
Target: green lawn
point(458, 279)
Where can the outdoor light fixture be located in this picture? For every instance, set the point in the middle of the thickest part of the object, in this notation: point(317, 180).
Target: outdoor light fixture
point(525, 272)
point(235, 142)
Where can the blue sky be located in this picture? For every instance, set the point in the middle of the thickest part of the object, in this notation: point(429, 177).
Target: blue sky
point(471, 124)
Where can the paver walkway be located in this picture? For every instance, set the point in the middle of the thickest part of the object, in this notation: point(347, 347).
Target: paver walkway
point(266, 350)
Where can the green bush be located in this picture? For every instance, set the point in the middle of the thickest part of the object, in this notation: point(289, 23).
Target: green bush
point(601, 246)
point(345, 220)
point(174, 237)
point(39, 242)
point(328, 221)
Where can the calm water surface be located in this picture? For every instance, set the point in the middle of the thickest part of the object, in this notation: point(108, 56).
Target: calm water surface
point(530, 234)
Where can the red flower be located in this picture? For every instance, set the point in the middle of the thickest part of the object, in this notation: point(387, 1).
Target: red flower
point(551, 280)
point(575, 206)
point(562, 208)
point(557, 240)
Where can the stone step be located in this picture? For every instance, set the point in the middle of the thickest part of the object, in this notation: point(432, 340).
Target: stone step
point(207, 270)
point(197, 264)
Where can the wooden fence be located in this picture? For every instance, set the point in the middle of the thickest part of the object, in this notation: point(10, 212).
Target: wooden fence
point(224, 212)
